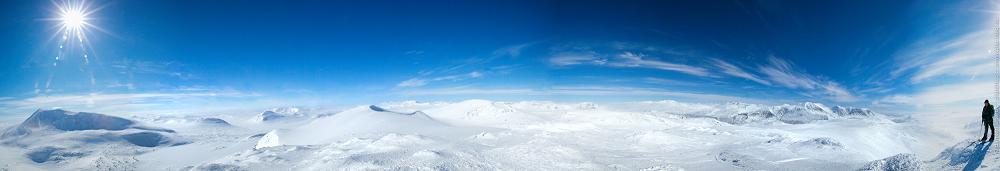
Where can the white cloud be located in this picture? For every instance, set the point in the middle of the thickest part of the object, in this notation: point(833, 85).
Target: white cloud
point(513, 50)
point(943, 108)
point(783, 73)
point(624, 60)
point(636, 91)
point(735, 71)
point(581, 91)
point(943, 96)
point(629, 59)
point(576, 58)
point(837, 92)
point(412, 82)
point(964, 56)
point(475, 74)
point(109, 102)
point(417, 82)
point(467, 91)
point(172, 69)
point(663, 81)
point(956, 59)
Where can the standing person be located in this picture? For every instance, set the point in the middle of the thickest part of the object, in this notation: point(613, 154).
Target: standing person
point(988, 120)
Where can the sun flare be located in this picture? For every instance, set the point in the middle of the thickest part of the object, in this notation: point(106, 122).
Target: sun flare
point(73, 19)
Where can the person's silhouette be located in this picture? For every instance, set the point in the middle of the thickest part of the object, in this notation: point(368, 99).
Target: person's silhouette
point(988, 120)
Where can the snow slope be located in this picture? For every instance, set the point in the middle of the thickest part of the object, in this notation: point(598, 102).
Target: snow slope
point(967, 155)
point(478, 135)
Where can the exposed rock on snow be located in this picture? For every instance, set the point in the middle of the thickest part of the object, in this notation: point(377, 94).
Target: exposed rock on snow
point(740, 113)
point(900, 162)
point(662, 168)
point(744, 113)
point(216, 167)
point(823, 143)
point(288, 110)
point(852, 112)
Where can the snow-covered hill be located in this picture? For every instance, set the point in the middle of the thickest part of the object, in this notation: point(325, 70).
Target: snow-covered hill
point(473, 135)
point(73, 139)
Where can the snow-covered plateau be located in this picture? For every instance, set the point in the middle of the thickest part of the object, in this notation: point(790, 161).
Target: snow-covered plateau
point(488, 135)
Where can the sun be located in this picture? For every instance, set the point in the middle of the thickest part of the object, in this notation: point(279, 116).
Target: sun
point(73, 15)
point(73, 19)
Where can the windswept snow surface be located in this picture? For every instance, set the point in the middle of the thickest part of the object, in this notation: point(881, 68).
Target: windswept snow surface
point(478, 135)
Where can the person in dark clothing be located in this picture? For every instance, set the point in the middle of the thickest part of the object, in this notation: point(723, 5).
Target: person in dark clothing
point(988, 120)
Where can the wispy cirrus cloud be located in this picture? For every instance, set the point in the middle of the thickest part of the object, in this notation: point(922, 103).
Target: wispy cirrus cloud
point(114, 102)
point(592, 91)
point(168, 68)
point(964, 61)
point(776, 72)
point(625, 60)
point(784, 73)
point(963, 56)
point(629, 59)
point(942, 95)
point(479, 64)
point(469, 91)
point(513, 50)
point(736, 71)
point(577, 58)
point(417, 82)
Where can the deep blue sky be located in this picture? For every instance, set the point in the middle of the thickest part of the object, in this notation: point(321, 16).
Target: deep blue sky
point(171, 54)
